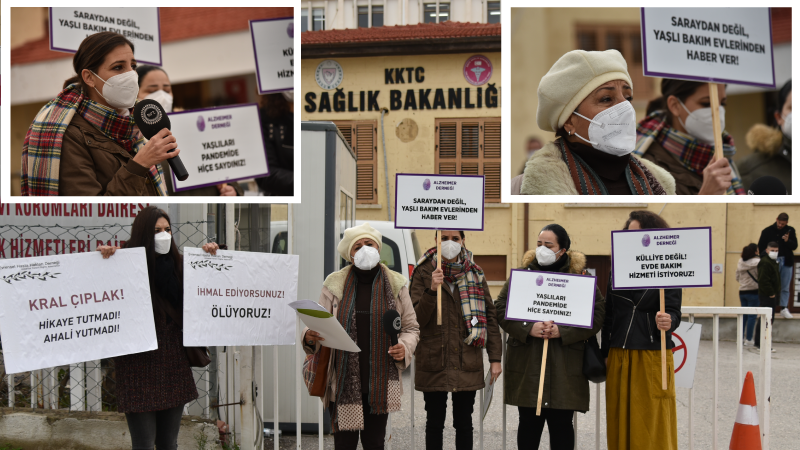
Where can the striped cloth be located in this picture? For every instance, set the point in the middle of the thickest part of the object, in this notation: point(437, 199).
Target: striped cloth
point(41, 151)
point(693, 154)
point(468, 277)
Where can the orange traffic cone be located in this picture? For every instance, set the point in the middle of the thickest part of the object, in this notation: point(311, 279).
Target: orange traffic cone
point(746, 433)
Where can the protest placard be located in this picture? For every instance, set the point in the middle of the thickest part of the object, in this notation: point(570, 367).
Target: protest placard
point(668, 258)
point(67, 309)
point(719, 45)
point(239, 298)
point(273, 46)
point(219, 145)
point(70, 26)
point(566, 299)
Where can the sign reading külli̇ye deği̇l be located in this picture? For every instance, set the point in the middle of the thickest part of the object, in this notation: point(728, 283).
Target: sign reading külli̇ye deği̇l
point(566, 299)
point(67, 309)
point(273, 46)
point(444, 202)
point(661, 258)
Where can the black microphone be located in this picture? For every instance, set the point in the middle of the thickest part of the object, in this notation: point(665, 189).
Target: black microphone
point(392, 325)
point(767, 185)
point(151, 118)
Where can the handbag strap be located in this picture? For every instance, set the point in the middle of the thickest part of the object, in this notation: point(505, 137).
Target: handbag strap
point(751, 276)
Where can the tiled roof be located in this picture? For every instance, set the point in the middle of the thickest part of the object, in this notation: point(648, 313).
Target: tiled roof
point(423, 31)
point(176, 24)
point(781, 25)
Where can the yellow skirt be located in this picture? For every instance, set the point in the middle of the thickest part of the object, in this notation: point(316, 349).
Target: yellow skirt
point(640, 415)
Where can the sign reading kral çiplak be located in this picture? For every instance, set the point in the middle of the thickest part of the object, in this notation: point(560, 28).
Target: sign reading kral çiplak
point(67, 309)
point(273, 46)
point(443, 202)
point(661, 258)
point(566, 299)
point(718, 45)
point(219, 145)
point(70, 26)
point(239, 298)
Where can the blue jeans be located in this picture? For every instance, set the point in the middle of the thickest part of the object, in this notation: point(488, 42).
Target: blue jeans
point(749, 299)
point(786, 280)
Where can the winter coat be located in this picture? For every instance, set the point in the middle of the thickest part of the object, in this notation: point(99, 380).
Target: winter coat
point(565, 386)
point(93, 164)
point(279, 142)
point(631, 318)
point(444, 362)
point(769, 277)
point(686, 181)
point(772, 156)
point(547, 174)
point(785, 248)
point(746, 271)
point(332, 289)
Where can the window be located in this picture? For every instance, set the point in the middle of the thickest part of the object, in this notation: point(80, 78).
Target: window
point(493, 12)
point(390, 254)
point(377, 16)
point(362, 137)
point(627, 39)
point(346, 215)
point(363, 16)
point(319, 19)
point(431, 15)
point(470, 147)
point(304, 20)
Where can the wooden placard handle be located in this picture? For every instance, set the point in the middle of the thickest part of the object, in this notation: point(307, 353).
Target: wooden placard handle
point(439, 288)
point(663, 349)
point(541, 379)
point(713, 95)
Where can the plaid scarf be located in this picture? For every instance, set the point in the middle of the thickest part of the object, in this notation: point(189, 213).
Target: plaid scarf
point(587, 182)
point(41, 151)
point(468, 277)
point(693, 154)
point(384, 378)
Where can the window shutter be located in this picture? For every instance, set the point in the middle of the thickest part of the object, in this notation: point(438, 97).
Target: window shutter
point(470, 147)
point(361, 137)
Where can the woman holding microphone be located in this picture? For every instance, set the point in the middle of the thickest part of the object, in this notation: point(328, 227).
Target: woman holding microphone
point(450, 355)
point(154, 386)
point(640, 414)
point(364, 387)
point(566, 389)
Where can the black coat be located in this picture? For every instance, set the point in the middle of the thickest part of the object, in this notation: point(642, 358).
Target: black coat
point(630, 321)
point(279, 142)
point(785, 249)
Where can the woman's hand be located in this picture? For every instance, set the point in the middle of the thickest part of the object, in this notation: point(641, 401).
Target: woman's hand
point(157, 148)
point(107, 251)
point(226, 190)
point(540, 329)
point(496, 369)
point(211, 248)
point(312, 337)
point(717, 178)
point(554, 332)
point(663, 321)
point(437, 278)
point(398, 352)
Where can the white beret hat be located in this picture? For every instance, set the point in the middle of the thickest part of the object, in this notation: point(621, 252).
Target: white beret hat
point(571, 79)
point(351, 235)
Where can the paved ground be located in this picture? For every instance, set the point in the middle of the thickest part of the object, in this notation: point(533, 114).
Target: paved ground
point(784, 408)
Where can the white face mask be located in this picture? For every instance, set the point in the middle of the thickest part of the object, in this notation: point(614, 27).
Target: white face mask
point(613, 130)
point(545, 256)
point(700, 123)
point(120, 91)
point(163, 242)
point(450, 249)
point(787, 126)
point(366, 258)
point(163, 98)
point(773, 255)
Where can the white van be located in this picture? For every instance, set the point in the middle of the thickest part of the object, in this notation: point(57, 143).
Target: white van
point(400, 249)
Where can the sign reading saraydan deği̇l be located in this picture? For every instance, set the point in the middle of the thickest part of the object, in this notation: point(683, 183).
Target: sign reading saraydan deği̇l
point(66, 309)
point(661, 258)
point(444, 202)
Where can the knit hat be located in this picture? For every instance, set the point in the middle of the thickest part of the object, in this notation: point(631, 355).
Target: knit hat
point(571, 79)
point(351, 235)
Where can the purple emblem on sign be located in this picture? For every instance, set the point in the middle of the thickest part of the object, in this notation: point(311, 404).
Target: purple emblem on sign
point(290, 30)
point(426, 184)
point(539, 280)
point(646, 240)
point(201, 124)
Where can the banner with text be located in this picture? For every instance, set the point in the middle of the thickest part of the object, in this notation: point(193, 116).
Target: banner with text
point(219, 145)
point(70, 26)
point(716, 45)
point(443, 202)
point(60, 310)
point(273, 46)
point(660, 259)
point(566, 299)
point(239, 298)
